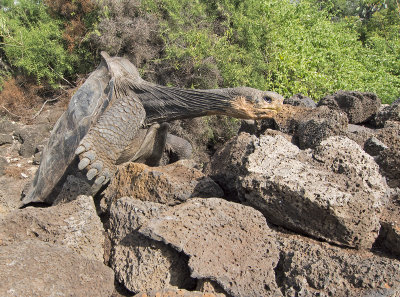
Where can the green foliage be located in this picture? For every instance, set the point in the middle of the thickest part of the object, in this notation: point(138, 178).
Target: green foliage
point(32, 41)
point(286, 46)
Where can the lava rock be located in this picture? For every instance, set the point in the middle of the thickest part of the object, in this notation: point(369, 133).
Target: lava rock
point(359, 107)
point(223, 240)
point(36, 268)
point(300, 100)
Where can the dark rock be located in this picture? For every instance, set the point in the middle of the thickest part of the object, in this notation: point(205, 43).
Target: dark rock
point(388, 113)
point(389, 163)
point(320, 124)
point(35, 268)
point(307, 127)
point(300, 100)
point(359, 107)
point(373, 146)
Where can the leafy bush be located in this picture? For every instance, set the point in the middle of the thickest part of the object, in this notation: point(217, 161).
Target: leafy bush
point(32, 41)
point(285, 46)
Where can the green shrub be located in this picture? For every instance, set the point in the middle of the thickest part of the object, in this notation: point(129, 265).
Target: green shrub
point(286, 46)
point(32, 41)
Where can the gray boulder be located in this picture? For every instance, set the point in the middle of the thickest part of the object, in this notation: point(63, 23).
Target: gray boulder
point(35, 268)
point(226, 242)
point(359, 107)
point(139, 263)
point(75, 226)
point(300, 100)
point(312, 268)
point(320, 124)
point(388, 113)
point(333, 192)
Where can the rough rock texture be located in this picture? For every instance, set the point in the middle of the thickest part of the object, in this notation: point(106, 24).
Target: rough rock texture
point(73, 186)
point(10, 193)
point(389, 162)
point(226, 164)
point(6, 139)
point(140, 263)
point(300, 100)
point(35, 268)
point(170, 184)
point(75, 226)
point(319, 125)
point(310, 268)
point(389, 237)
point(226, 242)
point(175, 293)
point(308, 191)
point(388, 113)
point(359, 107)
point(30, 138)
point(374, 146)
point(308, 127)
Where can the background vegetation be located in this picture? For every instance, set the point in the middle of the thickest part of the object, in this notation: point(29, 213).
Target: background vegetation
point(305, 46)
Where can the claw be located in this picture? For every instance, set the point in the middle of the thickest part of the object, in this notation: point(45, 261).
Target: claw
point(98, 165)
point(100, 180)
point(91, 155)
point(80, 150)
point(91, 173)
point(83, 163)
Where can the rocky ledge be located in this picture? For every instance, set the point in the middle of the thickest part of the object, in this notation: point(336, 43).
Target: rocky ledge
point(306, 204)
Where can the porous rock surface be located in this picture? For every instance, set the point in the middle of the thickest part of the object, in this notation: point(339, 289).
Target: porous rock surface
point(300, 100)
point(359, 107)
point(140, 263)
point(320, 124)
point(311, 268)
point(170, 184)
point(175, 293)
point(308, 127)
point(309, 191)
point(75, 226)
point(388, 113)
point(226, 242)
point(36, 268)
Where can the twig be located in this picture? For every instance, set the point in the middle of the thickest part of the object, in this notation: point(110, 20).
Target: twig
point(48, 100)
point(13, 114)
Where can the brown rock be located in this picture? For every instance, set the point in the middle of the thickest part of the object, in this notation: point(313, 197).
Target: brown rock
point(359, 107)
point(140, 263)
point(175, 293)
point(311, 268)
point(35, 268)
point(226, 242)
point(75, 226)
point(320, 124)
point(170, 184)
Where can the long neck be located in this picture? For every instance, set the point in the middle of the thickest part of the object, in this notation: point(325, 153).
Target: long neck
point(163, 104)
